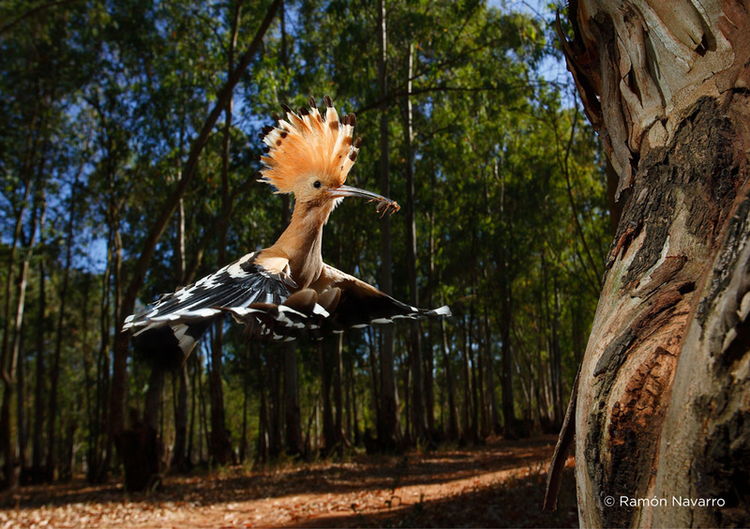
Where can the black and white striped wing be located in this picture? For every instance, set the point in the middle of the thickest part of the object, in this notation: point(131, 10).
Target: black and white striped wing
point(361, 304)
point(175, 322)
point(337, 301)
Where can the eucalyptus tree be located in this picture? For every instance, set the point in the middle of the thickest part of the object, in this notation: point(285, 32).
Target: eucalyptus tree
point(662, 399)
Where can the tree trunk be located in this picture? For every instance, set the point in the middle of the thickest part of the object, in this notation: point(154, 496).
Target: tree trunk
point(9, 439)
point(275, 404)
point(125, 306)
point(37, 455)
point(506, 317)
point(467, 430)
point(326, 376)
point(261, 448)
point(292, 414)
point(202, 433)
point(388, 417)
point(494, 418)
point(453, 429)
point(221, 448)
point(21, 408)
point(180, 461)
point(662, 408)
point(154, 397)
point(242, 449)
point(55, 368)
point(419, 425)
point(338, 396)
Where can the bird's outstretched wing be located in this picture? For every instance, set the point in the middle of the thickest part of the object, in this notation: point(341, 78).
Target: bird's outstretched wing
point(171, 326)
point(333, 303)
point(263, 300)
point(362, 304)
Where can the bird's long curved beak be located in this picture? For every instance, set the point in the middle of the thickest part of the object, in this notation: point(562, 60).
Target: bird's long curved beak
point(385, 205)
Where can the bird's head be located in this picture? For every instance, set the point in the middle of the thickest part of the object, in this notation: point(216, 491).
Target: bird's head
point(310, 155)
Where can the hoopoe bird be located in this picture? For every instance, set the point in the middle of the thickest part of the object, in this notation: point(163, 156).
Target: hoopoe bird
point(285, 290)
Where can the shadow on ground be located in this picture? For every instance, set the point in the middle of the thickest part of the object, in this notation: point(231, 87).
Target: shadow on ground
point(361, 473)
point(512, 503)
point(497, 485)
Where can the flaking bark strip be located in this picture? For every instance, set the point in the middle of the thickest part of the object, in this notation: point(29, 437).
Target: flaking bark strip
point(622, 242)
point(634, 421)
point(722, 470)
point(721, 462)
point(608, 366)
point(697, 166)
point(614, 355)
point(737, 235)
point(663, 274)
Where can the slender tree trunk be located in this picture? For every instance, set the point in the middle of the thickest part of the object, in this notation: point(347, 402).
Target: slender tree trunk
point(494, 418)
point(127, 303)
point(7, 361)
point(245, 399)
point(60, 334)
point(509, 416)
point(506, 319)
point(338, 396)
point(180, 461)
point(474, 386)
point(9, 429)
point(429, 356)
point(21, 408)
point(202, 434)
point(96, 454)
point(418, 420)
point(388, 417)
point(556, 357)
point(453, 428)
point(21, 376)
point(353, 418)
point(551, 320)
point(261, 449)
point(275, 404)
point(292, 413)
point(326, 372)
point(221, 448)
point(374, 373)
point(662, 408)
point(466, 383)
point(37, 455)
point(152, 409)
point(194, 410)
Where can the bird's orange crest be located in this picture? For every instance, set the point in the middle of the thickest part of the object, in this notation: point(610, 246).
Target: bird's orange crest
point(307, 143)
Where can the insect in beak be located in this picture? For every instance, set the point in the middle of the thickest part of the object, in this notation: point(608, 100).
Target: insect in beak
point(384, 205)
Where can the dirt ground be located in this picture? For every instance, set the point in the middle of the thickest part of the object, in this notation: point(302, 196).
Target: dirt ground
point(500, 484)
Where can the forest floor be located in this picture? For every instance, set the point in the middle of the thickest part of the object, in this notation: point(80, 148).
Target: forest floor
point(499, 484)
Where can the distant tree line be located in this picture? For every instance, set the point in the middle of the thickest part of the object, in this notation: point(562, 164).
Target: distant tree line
point(128, 149)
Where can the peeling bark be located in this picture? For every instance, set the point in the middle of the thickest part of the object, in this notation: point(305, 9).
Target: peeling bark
point(663, 407)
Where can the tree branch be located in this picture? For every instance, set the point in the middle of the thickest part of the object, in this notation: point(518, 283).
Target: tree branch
point(222, 99)
point(32, 12)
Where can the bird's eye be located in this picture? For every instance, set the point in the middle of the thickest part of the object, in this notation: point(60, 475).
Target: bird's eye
point(317, 184)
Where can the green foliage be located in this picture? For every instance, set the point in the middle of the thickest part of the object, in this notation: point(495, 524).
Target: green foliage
point(510, 191)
